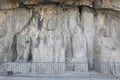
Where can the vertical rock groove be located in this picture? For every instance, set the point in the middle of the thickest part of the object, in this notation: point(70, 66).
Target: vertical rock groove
point(30, 51)
point(40, 23)
point(14, 48)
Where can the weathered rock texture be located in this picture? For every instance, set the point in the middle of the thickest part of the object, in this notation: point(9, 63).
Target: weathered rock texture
point(82, 31)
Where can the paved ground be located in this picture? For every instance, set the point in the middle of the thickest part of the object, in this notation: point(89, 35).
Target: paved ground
point(69, 76)
point(65, 78)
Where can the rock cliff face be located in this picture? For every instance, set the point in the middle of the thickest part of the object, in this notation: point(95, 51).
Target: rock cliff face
point(62, 31)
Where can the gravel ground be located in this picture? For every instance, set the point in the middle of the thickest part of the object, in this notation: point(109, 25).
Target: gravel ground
point(63, 78)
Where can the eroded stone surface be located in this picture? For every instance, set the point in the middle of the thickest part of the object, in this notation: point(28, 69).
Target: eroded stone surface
point(58, 34)
point(12, 22)
point(106, 45)
point(11, 4)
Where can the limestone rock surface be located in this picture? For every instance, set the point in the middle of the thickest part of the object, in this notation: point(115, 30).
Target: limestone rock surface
point(74, 34)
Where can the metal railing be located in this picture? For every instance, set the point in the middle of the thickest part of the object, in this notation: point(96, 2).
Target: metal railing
point(59, 69)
